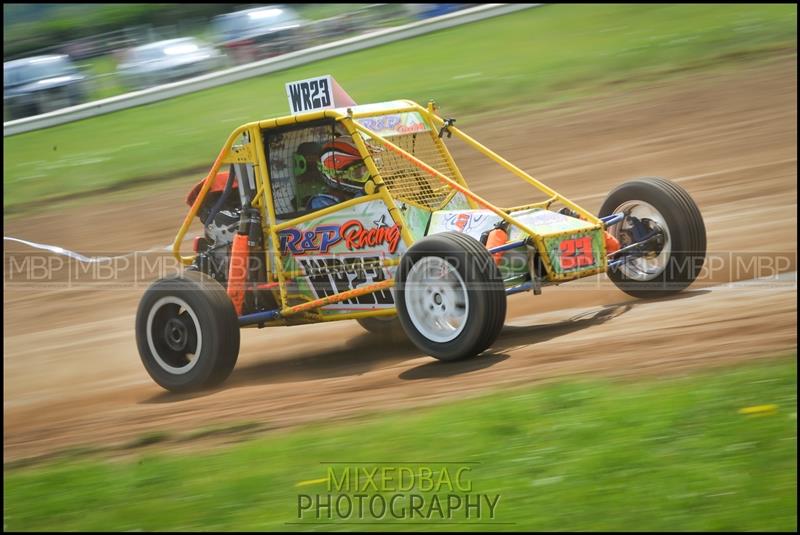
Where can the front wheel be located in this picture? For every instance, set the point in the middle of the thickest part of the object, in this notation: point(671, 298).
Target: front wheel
point(664, 216)
point(187, 332)
point(450, 296)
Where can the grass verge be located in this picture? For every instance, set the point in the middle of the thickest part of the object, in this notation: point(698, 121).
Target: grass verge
point(656, 455)
point(536, 56)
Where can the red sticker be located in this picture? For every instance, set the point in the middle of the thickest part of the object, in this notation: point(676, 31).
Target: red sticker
point(576, 253)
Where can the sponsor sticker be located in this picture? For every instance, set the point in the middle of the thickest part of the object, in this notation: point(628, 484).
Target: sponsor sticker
point(331, 275)
point(395, 124)
point(354, 234)
point(575, 253)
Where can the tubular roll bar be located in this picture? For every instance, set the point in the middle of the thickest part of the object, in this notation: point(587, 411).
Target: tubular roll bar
point(255, 152)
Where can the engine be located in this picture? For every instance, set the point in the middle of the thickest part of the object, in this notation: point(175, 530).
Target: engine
point(213, 252)
point(219, 234)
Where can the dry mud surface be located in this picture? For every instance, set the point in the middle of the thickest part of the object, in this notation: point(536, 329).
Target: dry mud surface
point(73, 375)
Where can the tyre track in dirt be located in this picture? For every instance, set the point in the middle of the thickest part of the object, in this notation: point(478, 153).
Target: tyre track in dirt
point(72, 374)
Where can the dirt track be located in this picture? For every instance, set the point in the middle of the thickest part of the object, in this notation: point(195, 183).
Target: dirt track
point(72, 374)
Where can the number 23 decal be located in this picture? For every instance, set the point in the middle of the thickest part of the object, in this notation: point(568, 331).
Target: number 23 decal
point(576, 253)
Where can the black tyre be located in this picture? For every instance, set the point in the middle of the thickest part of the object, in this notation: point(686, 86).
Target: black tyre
point(384, 326)
point(450, 296)
point(187, 332)
point(673, 259)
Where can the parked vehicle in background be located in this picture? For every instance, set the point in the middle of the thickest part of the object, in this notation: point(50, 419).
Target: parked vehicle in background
point(168, 61)
point(41, 84)
point(261, 32)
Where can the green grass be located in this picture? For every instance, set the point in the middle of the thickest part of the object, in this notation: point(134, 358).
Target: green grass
point(661, 454)
point(528, 58)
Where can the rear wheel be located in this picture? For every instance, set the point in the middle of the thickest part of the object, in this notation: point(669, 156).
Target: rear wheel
point(450, 296)
point(384, 326)
point(675, 252)
point(187, 332)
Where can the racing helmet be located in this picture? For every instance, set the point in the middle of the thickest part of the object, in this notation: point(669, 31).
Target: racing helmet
point(342, 166)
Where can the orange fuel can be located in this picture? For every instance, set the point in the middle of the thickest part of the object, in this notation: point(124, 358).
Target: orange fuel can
point(497, 237)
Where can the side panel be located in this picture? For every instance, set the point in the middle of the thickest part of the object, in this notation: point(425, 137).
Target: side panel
point(342, 251)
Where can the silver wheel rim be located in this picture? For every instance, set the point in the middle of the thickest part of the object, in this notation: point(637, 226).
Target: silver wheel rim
point(647, 267)
point(192, 357)
point(436, 299)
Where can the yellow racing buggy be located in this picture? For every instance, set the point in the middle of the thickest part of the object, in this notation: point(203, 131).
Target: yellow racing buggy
point(360, 212)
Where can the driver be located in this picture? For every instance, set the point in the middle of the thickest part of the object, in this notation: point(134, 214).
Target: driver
point(309, 181)
point(339, 173)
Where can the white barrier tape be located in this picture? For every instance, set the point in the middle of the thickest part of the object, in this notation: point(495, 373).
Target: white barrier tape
point(77, 256)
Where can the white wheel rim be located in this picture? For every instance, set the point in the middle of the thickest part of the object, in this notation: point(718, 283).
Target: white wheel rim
point(648, 267)
point(436, 299)
point(192, 357)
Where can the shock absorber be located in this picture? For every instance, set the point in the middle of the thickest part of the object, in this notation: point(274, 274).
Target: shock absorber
point(238, 265)
point(243, 242)
point(257, 299)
